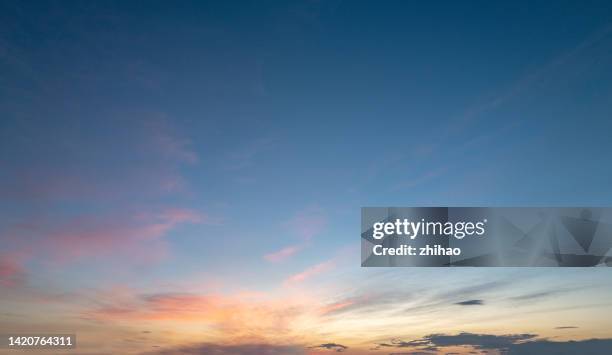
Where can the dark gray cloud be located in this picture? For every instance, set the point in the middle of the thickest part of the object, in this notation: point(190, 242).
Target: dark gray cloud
point(471, 303)
point(567, 327)
point(331, 346)
point(434, 342)
point(545, 347)
point(511, 344)
point(245, 349)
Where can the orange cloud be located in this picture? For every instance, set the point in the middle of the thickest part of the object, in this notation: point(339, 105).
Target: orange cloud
point(239, 316)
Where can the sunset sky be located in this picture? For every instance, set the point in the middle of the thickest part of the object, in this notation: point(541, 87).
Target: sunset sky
point(187, 177)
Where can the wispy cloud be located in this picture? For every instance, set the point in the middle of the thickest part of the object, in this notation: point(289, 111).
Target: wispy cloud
point(110, 184)
point(245, 156)
point(402, 302)
point(538, 295)
point(12, 272)
point(136, 236)
point(169, 143)
point(305, 225)
point(310, 272)
point(337, 307)
point(243, 349)
point(282, 254)
point(243, 314)
point(423, 178)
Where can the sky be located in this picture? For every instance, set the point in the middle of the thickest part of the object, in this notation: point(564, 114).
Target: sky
point(187, 177)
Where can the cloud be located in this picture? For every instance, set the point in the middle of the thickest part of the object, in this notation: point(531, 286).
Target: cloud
point(306, 225)
point(566, 327)
point(368, 301)
point(245, 349)
point(477, 341)
point(245, 157)
point(241, 315)
point(12, 273)
point(109, 171)
point(513, 344)
point(163, 306)
point(310, 272)
point(397, 343)
point(139, 235)
point(282, 254)
point(331, 346)
point(337, 307)
point(471, 303)
point(539, 295)
point(142, 160)
point(545, 347)
point(423, 178)
point(132, 237)
point(169, 143)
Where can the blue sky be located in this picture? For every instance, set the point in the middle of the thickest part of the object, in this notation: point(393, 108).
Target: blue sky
point(226, 147)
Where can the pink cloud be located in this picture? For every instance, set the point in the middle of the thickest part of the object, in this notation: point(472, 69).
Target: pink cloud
point(135, 237)
point(150, 151)
point(140, 236)
point(167, 141)
point(334, 307)
point(310, 272)
point(282, 254)
point(307, 224)
point(11, 272)
point(109, 185)
point(173, 147)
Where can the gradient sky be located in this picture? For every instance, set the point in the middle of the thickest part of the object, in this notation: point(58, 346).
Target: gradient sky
point(189, 175)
